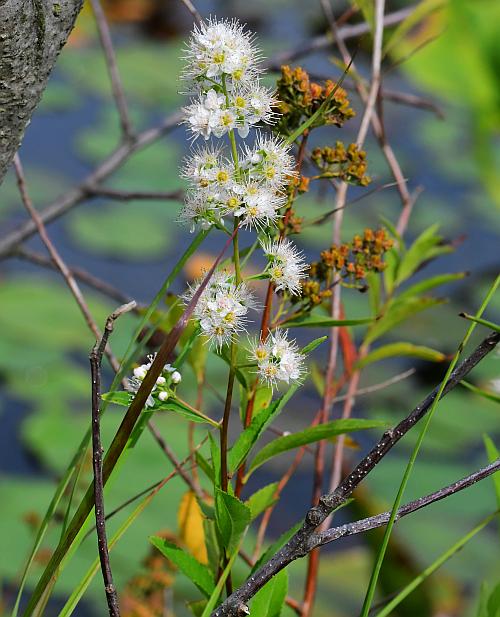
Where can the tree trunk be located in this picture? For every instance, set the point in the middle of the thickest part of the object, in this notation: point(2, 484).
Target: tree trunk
point(32, 32)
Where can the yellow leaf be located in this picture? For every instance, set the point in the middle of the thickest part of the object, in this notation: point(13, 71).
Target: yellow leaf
point(190, 521)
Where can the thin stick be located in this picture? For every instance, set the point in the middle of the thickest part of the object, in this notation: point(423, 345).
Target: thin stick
point(298, 545)
point(79, 274)
point(79, 194)
point(102, 191)
point(193, 10)
point(379, 520)
point(114, 75)
point(97, 451)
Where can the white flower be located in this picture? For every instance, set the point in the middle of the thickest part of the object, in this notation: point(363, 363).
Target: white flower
point(222, 308)
point(203, 207)
point(221, 48)
point(278, 359)
point(270, 161)
point(207, 168)
point(259, 205)
point(208, 114)
point(169, 376)
point(287, 265)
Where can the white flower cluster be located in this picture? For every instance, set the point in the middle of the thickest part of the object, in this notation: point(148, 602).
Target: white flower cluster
point(165, 383)
point(286, 265)
point(250, 185)
point(223, 70)
point(222, 308)
point(254, 193)
point(278, 359)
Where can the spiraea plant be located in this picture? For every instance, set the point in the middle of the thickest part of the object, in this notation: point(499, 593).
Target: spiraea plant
point(245, 178)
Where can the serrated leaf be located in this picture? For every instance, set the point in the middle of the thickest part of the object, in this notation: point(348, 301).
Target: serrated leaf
point(119, 397)
point(187, 564)
point(398, 311)
point(311, 435)
point(190, 522)
point(262, 499)
point(246, 440)
point(269, 601)
point(427, 246)
point(313, 320)
point(232, 519)
point(401, 349)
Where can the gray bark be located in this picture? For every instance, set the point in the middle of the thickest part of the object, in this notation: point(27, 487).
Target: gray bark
point(32, 32)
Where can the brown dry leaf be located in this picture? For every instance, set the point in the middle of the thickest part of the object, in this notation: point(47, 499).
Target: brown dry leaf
point(190, 521)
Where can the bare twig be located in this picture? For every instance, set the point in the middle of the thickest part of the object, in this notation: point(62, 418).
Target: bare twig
point(79, 274)
point(102, 191)
point(319, 465)
point(193, 10)
point(330, 535)
point(299, 545)
point(97, 451)
point(79, 194)
point(323, 42)
point(114, 75)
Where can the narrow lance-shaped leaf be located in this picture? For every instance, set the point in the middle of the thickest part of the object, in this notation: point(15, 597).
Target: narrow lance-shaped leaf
point(311, 435)
point(262, 499)
point(401, 349)
point(313, 320)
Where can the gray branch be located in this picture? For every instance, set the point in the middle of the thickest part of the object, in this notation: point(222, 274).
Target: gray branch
point(236, 605)
point(32, 33)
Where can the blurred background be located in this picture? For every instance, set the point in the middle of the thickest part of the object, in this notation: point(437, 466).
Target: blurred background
point(451, 149)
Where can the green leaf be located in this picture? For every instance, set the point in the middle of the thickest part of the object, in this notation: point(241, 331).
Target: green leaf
point(312, 320)
point(366, 7)
point(494, 602)
point(491, 396)
point(262, 499)
point(187, 564)
point(482, 322)
point(431, 283)
point(232, 519)
point(373, 280)
point(311, 435)
point(269, 601)
point(119, 397)
point(397, 311)
point(251, 434)
point(401, 349)
point(182, 410)
point(310, 347)
point(427, 246)
point(422, 10)
point(216, 460)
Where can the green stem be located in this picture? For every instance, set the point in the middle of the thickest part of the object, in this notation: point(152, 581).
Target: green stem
point(385, 542)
